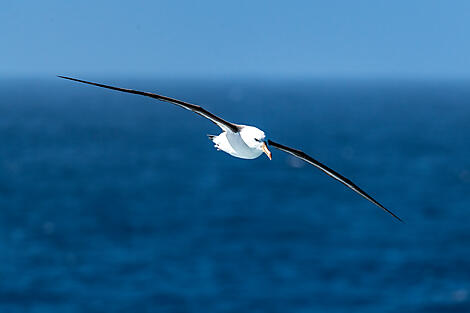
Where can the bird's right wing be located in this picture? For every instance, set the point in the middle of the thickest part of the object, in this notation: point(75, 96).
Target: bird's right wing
point(303, 156)
point(188, 106)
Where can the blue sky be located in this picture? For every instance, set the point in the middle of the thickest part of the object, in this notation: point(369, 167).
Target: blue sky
point(411, 39)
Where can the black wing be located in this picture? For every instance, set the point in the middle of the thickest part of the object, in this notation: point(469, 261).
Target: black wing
point(188, 106)
point(330, 172)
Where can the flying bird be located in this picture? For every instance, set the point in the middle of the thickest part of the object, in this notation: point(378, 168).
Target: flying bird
point(243, 141)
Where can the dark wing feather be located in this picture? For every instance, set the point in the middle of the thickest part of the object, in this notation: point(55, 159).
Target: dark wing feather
point(188, 106)
point(303, 156)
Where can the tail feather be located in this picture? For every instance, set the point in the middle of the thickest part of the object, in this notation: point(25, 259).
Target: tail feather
point(216, 145)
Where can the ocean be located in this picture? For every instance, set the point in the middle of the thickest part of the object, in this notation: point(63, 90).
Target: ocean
point(112, 202)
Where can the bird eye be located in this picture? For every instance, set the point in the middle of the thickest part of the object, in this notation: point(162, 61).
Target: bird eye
point(257, 140)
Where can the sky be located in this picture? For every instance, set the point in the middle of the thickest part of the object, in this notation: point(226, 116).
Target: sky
point(400, 38)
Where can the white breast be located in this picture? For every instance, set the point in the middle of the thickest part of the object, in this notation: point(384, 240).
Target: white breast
point(233, 144)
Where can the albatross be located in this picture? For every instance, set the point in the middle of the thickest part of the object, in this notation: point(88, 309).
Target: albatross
point(243, 141)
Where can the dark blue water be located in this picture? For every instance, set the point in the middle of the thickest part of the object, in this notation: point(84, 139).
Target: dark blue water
point(116, 203)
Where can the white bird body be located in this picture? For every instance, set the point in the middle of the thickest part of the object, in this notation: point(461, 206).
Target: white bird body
point(248, 143)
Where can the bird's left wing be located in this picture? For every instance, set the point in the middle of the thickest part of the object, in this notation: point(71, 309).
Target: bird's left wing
point(303, 156)
point(188, 106)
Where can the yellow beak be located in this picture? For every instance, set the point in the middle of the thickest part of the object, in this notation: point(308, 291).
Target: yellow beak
point(266, 151)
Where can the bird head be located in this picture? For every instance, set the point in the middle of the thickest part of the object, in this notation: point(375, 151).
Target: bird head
point(255, 139)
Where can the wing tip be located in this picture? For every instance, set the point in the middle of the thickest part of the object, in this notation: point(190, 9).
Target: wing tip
point(402, 221)
point(392, 214)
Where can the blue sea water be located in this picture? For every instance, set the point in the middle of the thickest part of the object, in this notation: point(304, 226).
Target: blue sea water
point(118, 203)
